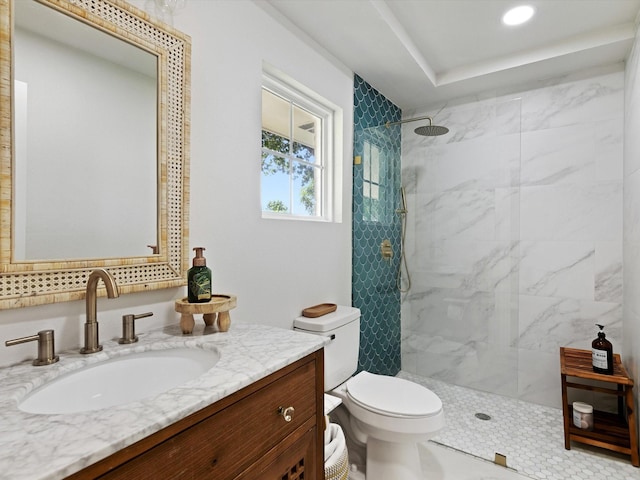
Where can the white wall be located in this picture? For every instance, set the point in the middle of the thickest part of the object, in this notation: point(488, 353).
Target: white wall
point(631, 238)
point(276, 268)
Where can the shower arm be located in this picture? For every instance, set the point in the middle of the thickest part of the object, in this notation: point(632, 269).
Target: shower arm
point(388, 124)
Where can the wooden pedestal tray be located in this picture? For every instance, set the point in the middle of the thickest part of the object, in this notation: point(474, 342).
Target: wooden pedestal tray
point(215, 311)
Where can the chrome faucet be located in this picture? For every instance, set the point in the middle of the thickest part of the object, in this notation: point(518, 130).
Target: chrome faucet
point(91, 341)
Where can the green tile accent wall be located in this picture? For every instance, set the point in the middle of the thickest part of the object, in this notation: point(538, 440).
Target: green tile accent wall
point(376, 196)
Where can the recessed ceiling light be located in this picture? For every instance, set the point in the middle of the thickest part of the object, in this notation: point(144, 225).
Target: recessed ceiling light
point(518, 15)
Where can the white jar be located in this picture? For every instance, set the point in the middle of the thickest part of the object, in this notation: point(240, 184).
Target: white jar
point(583, 415)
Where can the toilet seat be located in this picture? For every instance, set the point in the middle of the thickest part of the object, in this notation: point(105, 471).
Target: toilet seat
point(392, 396)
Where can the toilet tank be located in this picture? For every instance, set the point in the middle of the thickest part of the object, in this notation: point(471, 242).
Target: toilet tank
point(341, 354)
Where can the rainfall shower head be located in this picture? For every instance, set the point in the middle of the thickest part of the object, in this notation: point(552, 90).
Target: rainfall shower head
point(427, 130)
point(431, 130)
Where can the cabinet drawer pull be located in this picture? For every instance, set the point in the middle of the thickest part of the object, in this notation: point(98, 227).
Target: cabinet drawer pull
point(287, 413)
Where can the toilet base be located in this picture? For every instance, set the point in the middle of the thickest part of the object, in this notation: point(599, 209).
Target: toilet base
point(386, 460)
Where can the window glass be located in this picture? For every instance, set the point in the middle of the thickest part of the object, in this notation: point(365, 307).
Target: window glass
point(376, 203)
point(276, 128)
point(294, 162)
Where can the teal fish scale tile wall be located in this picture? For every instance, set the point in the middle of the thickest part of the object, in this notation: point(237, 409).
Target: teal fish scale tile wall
point(376, 195)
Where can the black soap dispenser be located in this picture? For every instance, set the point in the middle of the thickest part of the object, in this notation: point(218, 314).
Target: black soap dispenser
point(199, 279)
point(602, 353)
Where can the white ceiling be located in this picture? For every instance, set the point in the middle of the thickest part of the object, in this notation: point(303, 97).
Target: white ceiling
point(424, 52)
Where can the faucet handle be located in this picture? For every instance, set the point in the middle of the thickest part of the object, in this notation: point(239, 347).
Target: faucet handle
point(129, 328)
point(46, 347)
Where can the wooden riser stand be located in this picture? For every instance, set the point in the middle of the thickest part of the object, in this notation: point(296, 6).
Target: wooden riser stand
point(214, 312)
point(612, 431)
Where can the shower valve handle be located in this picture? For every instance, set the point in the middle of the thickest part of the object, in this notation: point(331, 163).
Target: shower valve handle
point(386, 250)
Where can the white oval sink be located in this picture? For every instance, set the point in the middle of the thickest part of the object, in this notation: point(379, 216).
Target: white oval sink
point(120, 380)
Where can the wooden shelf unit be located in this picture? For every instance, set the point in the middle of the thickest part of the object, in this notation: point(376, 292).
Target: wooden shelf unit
point(612, 431)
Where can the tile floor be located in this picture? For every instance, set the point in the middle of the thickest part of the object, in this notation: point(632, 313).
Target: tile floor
point(444, 463)
point(530, 435)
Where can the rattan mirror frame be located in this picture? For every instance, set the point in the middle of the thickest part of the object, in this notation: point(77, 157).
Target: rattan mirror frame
point(33, 283)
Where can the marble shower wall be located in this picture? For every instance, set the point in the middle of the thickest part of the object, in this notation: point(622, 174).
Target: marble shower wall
point(514, 235)
point(631, 240)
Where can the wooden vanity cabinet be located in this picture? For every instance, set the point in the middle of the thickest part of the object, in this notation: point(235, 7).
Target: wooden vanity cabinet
point(241, 437)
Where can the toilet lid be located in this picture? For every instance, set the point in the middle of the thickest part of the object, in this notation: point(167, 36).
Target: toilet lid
point(393, 396)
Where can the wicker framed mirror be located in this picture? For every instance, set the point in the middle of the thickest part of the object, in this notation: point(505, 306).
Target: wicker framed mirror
point(33, 282)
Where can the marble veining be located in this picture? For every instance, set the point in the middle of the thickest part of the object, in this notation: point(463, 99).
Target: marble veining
point(50, 447)
point(557, 269)
point(566, 103)
point(548, 323)
point(608, 275)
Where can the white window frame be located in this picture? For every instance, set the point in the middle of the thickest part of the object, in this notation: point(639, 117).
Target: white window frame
point(321, 108)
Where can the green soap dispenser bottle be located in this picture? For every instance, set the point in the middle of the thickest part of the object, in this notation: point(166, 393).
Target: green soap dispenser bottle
point(199, 279)
point(602, 353)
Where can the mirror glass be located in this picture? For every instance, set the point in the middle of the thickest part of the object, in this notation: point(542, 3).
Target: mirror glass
point(85, 140)
point(94, 149)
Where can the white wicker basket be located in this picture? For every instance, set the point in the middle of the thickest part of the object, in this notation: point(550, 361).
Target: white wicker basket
point(336, 462)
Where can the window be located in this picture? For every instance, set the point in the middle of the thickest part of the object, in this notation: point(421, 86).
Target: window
point(296, 153)
point(377, 193)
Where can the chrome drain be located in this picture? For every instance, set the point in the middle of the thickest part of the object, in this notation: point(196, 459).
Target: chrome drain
point(483, 416)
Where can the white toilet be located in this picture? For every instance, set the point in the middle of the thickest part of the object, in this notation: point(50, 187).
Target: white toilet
point(391, 415)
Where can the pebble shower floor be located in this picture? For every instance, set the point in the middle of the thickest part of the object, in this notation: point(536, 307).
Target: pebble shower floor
point(533, 448)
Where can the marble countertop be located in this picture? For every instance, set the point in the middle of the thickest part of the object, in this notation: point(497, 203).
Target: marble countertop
point(39, 447)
